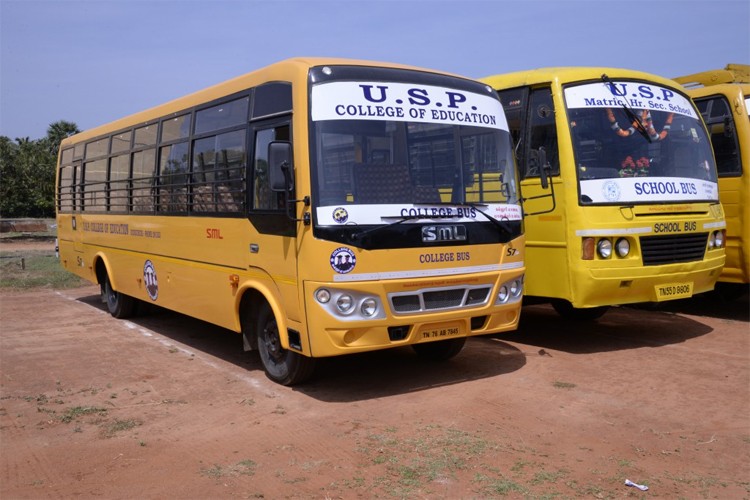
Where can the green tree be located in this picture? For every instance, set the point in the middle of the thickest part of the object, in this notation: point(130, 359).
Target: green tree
point(58, 131)
point(11, 196)
point(27, 172)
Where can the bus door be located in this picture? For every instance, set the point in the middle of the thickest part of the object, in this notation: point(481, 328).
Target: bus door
point(716, 111)
point(531, 119)
point(273, 245)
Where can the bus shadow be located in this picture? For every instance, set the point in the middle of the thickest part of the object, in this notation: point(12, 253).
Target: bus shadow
point(621, 328)
point(400, 371)
point(342, 378)
point(710, 304)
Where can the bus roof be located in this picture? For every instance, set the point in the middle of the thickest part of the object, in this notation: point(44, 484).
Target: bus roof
point(287, 70)
point(732, 73)
point(565, 74)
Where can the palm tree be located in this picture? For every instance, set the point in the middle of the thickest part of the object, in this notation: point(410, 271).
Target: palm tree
point(58, 131)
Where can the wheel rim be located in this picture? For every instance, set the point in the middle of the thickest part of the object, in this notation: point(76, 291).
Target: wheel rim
point(272, 343)
point(111, 296)
point(274, 355)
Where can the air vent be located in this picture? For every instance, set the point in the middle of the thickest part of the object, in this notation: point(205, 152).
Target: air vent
point(439, 299)
point(673, 248)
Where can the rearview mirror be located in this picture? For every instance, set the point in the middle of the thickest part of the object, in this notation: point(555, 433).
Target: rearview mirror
point(280, 173)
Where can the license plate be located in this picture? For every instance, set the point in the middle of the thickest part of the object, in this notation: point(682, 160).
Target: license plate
point(671, 291)
point(441, 332)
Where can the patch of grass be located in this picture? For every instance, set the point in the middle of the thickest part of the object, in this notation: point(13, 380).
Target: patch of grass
point(563, 385)
point(79, 411)
point(112, 428)
point(243, 468)
point(35, 270)
point(498, 486)
point(411, 464)
point(543, 476)
point(702, 483)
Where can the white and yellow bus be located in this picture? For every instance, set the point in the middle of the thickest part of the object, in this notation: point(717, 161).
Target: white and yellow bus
point(634, 214)
point(723, 99)
point(319, 207)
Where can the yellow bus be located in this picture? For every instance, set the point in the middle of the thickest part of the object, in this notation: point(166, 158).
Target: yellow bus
point(723, 99)
point(319, 207)
point(631, 210)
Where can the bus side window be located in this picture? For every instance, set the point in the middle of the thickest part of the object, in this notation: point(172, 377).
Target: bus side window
point(263, 197)
point(514, 103)
point(542, 132)
point(720, 124)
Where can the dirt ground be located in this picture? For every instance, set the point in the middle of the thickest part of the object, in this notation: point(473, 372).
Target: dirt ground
point(165, 406)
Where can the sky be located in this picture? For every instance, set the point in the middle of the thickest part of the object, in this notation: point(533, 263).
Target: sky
point(93, 61)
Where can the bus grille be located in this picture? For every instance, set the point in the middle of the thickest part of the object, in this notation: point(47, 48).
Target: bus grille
point(432, 300)
point(669, 249)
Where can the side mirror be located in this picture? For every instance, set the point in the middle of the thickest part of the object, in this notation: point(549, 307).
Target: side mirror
point(280, 173)
point(541, 159)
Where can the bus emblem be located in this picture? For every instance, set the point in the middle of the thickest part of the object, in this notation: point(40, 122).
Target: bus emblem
point(343, 260)
point(611, 191)
point(434, 234)
point(340, 215)
point(149, 277)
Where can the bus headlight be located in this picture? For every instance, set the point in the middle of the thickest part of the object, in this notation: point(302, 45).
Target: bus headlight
point(604, 248)
point(344, 303)
point(322, 295)
point(369, 307)
point(502, 295)
point(516, 287)
point(622, 247)
point(349, 305)
point(718, 238)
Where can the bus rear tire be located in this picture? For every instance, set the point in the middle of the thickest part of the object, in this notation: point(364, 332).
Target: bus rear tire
point(281, 365)
point(567, 311)
point(441, 350)
point(120, 306)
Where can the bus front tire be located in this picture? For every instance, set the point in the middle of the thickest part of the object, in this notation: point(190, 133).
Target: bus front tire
point(441, 350)
point(281, 365)
point(566, 310)
point(119, 305)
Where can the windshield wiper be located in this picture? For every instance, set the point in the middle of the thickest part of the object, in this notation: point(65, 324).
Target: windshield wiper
point(401, 219)
point(633, 117)
point(502, 224)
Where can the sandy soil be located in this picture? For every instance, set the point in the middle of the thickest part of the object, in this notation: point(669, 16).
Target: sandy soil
point(165, 406)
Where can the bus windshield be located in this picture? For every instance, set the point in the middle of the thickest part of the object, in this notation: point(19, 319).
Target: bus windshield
point(393, 152)
point(638, 143)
